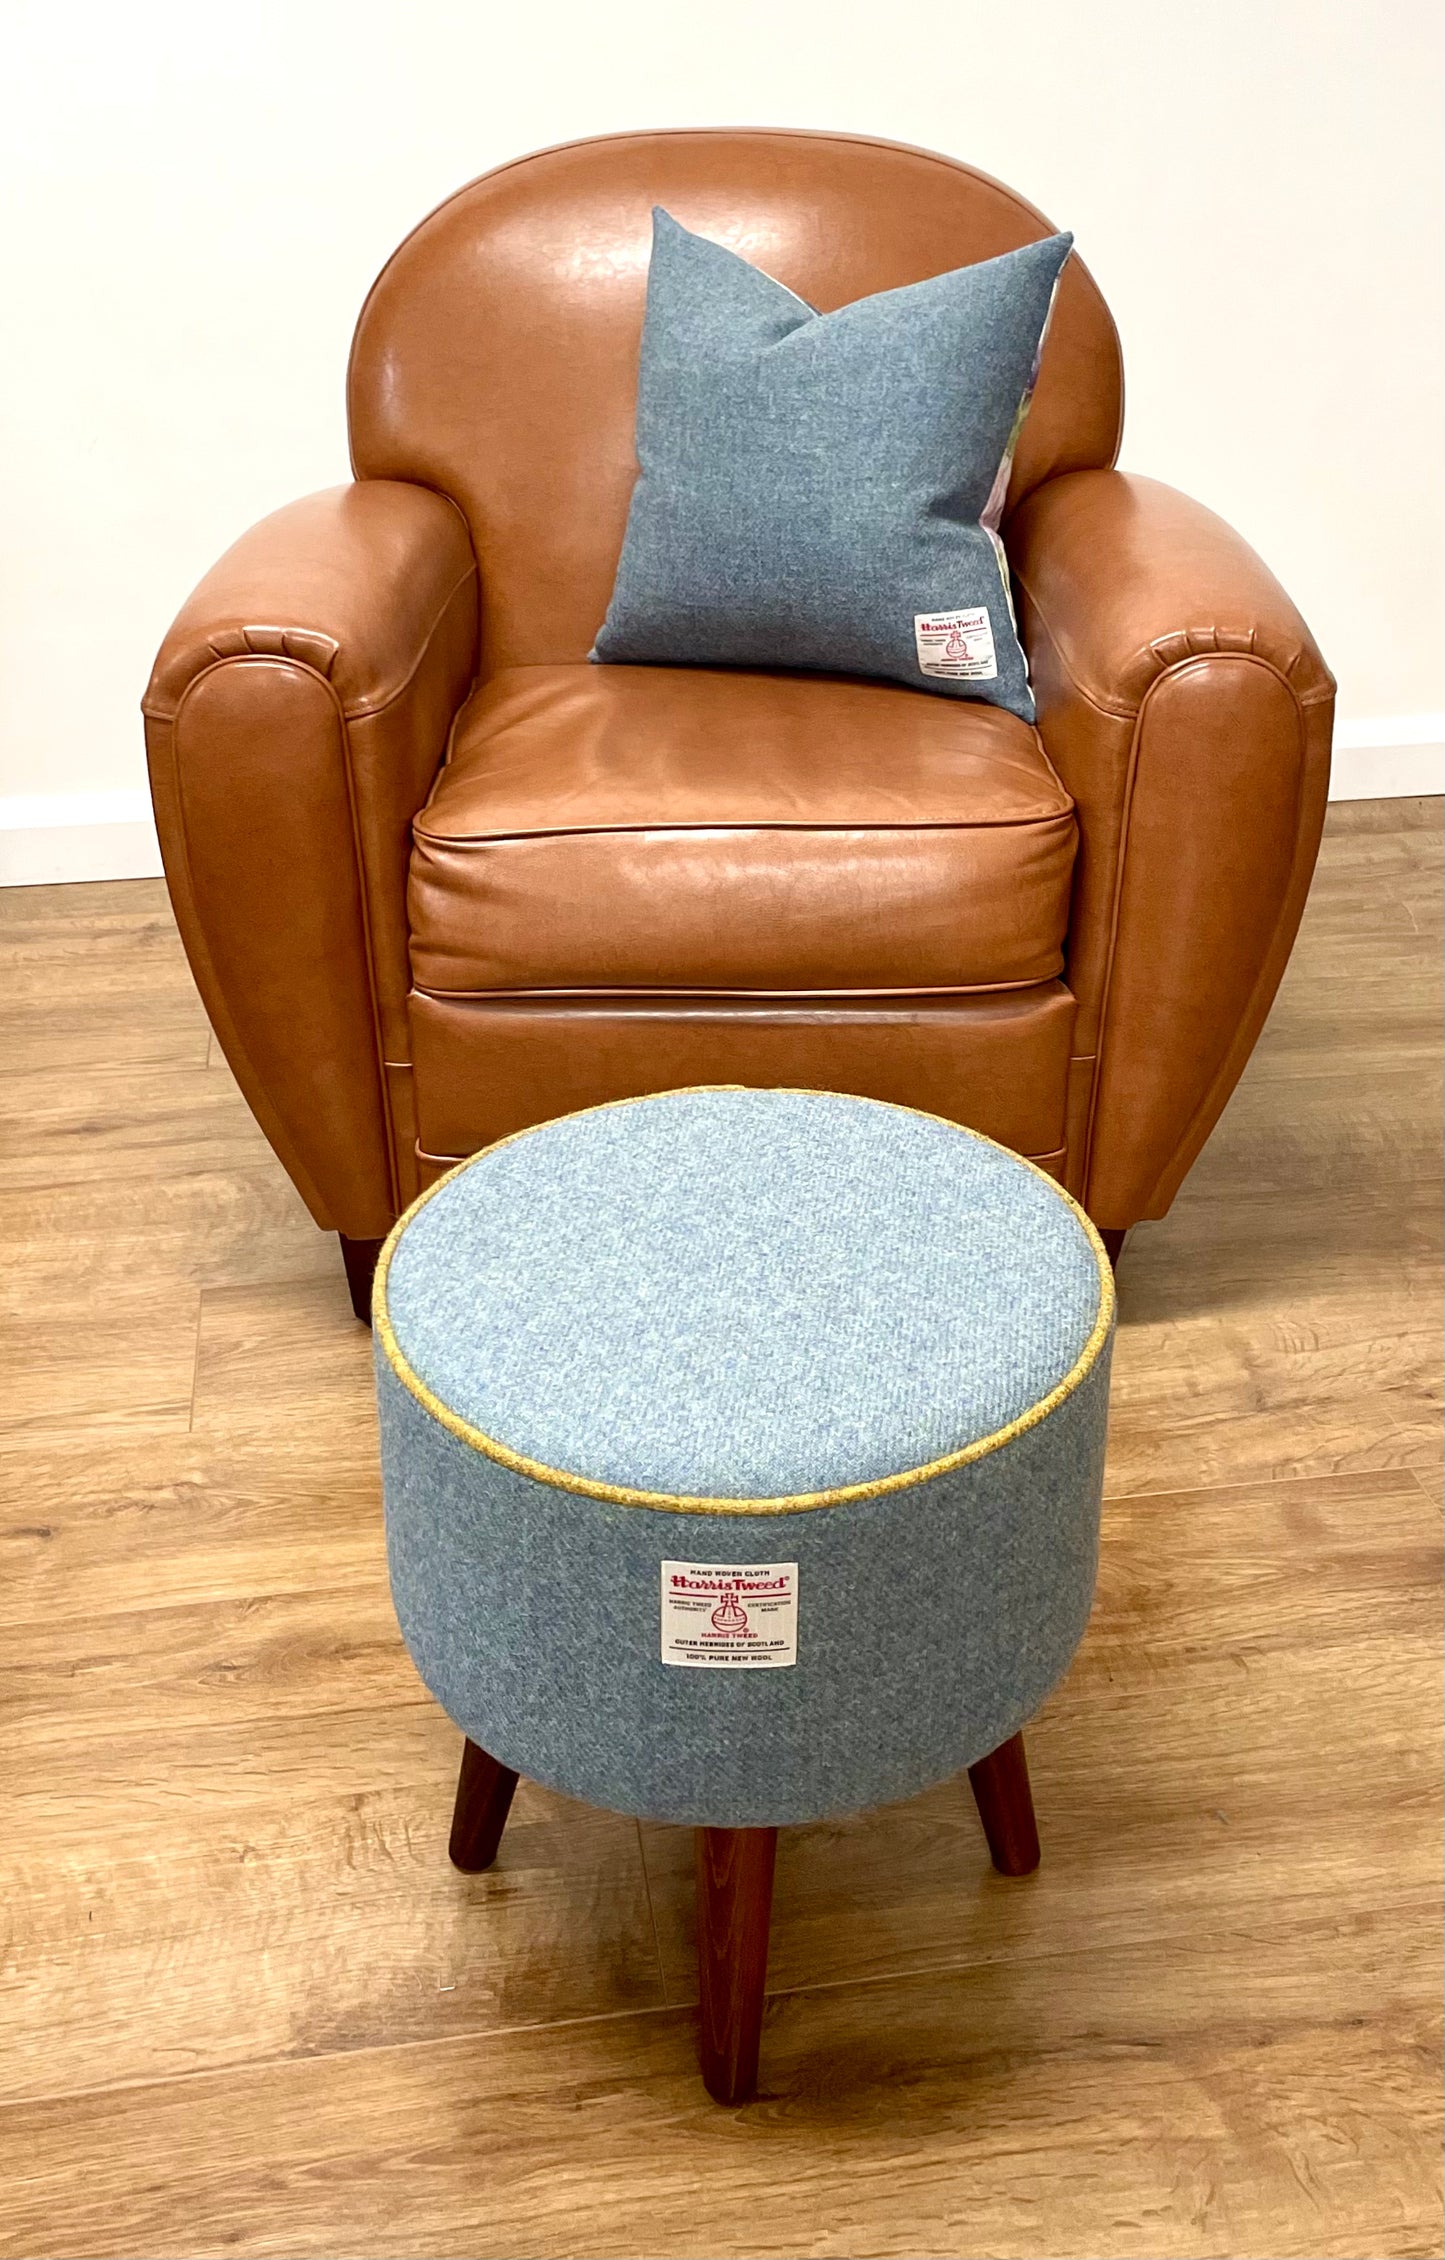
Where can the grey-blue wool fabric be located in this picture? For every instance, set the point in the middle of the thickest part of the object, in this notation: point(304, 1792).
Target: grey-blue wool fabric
point(824, 491)
point(742, 1449)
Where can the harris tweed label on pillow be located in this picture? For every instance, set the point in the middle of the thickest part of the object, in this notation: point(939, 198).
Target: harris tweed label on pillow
point(958, 645)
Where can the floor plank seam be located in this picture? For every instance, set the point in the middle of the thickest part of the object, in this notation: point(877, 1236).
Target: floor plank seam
point(652, 1914)
point(858, 1982)
point(259, 2066)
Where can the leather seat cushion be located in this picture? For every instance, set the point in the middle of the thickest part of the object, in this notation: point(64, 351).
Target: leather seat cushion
point(682, 828)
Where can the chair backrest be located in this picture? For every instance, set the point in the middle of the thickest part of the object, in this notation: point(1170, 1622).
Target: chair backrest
point(496, 357)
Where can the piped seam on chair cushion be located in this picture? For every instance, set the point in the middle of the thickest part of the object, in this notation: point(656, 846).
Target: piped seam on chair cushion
point(1064, 817)
point(558, 990)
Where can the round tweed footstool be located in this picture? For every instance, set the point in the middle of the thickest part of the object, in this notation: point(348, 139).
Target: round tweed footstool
point(742, 1453)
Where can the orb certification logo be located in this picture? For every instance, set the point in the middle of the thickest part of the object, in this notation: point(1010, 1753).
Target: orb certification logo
point(729, 1615)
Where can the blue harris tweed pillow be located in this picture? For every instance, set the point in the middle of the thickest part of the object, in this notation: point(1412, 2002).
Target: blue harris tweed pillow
point(824, 491)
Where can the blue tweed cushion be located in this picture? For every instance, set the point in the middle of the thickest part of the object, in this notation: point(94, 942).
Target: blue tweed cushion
point(848, 1360)
point(825, 490)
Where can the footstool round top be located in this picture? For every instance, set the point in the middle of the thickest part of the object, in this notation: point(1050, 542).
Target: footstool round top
point(733, 1299)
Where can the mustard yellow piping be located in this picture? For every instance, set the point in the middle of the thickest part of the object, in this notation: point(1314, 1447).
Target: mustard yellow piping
point(620, 1494)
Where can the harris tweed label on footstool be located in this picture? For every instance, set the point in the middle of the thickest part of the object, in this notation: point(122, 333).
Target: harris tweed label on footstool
point(726, 1615)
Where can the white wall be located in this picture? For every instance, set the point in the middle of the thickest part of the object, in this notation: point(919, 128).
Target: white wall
point(195, 199)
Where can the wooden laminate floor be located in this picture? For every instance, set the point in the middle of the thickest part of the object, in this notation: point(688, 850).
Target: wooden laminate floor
point(246, 2006)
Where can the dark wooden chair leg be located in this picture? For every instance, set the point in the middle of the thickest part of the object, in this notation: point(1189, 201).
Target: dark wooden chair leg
point(1114, 1243)
point(734, 1904)
point(484, 1799)
point(1000, 1785)
point(360, 1259)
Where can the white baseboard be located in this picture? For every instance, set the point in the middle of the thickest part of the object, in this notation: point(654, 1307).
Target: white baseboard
point(50, 837)
point(1396, 759)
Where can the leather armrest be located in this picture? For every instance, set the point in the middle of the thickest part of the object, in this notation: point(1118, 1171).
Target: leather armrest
point(1186, 707)
point(350, 583)
point(295, 720)
point(1125, 577)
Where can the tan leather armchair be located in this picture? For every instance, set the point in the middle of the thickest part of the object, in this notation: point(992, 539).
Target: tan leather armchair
point(439, 878)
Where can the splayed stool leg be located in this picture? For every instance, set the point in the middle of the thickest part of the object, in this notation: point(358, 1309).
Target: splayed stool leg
point(1000, 1785)
point(484, 1799)
point(734, 1907)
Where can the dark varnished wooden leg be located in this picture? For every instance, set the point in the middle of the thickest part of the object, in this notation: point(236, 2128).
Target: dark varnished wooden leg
point(734, 1904)
point(360, 1258)
point(484, 1799)
point(1000, 1785)
point(1114, 1242)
